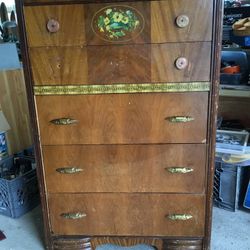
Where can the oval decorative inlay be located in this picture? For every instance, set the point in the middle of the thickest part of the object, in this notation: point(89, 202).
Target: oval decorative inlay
point(118, 23)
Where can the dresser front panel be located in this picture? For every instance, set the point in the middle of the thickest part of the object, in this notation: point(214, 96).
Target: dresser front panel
point(123, 118)
point(125, 168)
point(91, 24)
point(120, 64)
point(127, 214)
point(123, 101)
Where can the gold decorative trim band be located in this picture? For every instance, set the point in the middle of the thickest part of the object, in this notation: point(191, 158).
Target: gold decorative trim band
point(121, 88)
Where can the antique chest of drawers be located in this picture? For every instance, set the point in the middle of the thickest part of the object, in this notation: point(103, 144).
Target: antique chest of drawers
point(123, 100)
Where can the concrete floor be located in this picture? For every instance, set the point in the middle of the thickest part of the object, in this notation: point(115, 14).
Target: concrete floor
point(231, 231)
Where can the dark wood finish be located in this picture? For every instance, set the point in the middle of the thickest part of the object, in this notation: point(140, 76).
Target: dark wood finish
point(70, 18)
point(189, 244)
point(33, 120)
point(213, 104)
point(73, 243)
point(120, 64)
point(123, 119)
point(76, 243)
point(126, 168)
point(127, 214)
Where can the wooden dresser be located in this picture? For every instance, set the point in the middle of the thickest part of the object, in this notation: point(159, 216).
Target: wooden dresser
point(123, 100)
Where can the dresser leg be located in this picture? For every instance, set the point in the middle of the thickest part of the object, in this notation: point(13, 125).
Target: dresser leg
point(72, 243)
point(182, 244)
point(78, 243)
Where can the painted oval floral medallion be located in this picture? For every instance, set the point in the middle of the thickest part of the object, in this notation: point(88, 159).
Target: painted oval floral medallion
point(118, 23)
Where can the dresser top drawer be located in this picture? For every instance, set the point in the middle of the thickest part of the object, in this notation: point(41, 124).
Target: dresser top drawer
point(123, 118)
point(114, 23)
point(127, 214)
point(126, 168)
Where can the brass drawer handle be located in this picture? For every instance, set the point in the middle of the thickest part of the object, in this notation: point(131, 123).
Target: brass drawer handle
point(73, 216)
point(182, 217)
point(180, 119)
point(69, 170)
point(179, 170)
point(182, 21)
point(64, 121)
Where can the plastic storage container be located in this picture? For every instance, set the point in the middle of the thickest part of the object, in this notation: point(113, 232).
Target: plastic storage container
point(20, 194)
point(230, 184)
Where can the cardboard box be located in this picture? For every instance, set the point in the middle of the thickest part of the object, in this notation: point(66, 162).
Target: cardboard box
point(4, 127)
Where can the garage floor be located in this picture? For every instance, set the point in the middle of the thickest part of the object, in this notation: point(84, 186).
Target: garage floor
point(230, 231)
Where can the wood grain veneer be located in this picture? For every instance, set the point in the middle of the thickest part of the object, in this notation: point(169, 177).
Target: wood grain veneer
point(71, 31)
point(132, 214)
point(159, 27)
point(123, 119)
point(64, 242)
point(58, 66)
point(163, 16)
point(120, 64)
point(126, 168)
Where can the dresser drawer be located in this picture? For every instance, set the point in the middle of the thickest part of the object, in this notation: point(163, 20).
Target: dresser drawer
point(123, 118)
point(127, 214)
point(120, 64)
point(126, 22)
point(127, 168)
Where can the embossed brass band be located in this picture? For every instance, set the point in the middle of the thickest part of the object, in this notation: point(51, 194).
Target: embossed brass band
point(63, 121)
point(179, 216)
point(73, 216)
point(179, 170)
point(180, 119)
point(121, 88)
point(69, 170)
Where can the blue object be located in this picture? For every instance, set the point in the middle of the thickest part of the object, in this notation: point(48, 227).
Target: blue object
point(114, 247)
point(9, 57)
point(241, 40)
point(18, 195)
point(3, 146)
point(247, 197)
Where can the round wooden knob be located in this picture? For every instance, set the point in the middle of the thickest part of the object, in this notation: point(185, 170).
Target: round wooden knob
point(182, 21)
point(181, 63)
point(53, 25)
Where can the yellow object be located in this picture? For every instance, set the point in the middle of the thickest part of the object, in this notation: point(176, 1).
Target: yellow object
point(242, 27)
point(232, 159)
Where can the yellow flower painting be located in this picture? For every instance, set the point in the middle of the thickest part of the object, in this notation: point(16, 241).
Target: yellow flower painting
point(116, 22)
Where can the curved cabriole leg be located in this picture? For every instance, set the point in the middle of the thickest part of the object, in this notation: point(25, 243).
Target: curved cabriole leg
point(77, 243)
point(72, 244)
point(183, 244)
